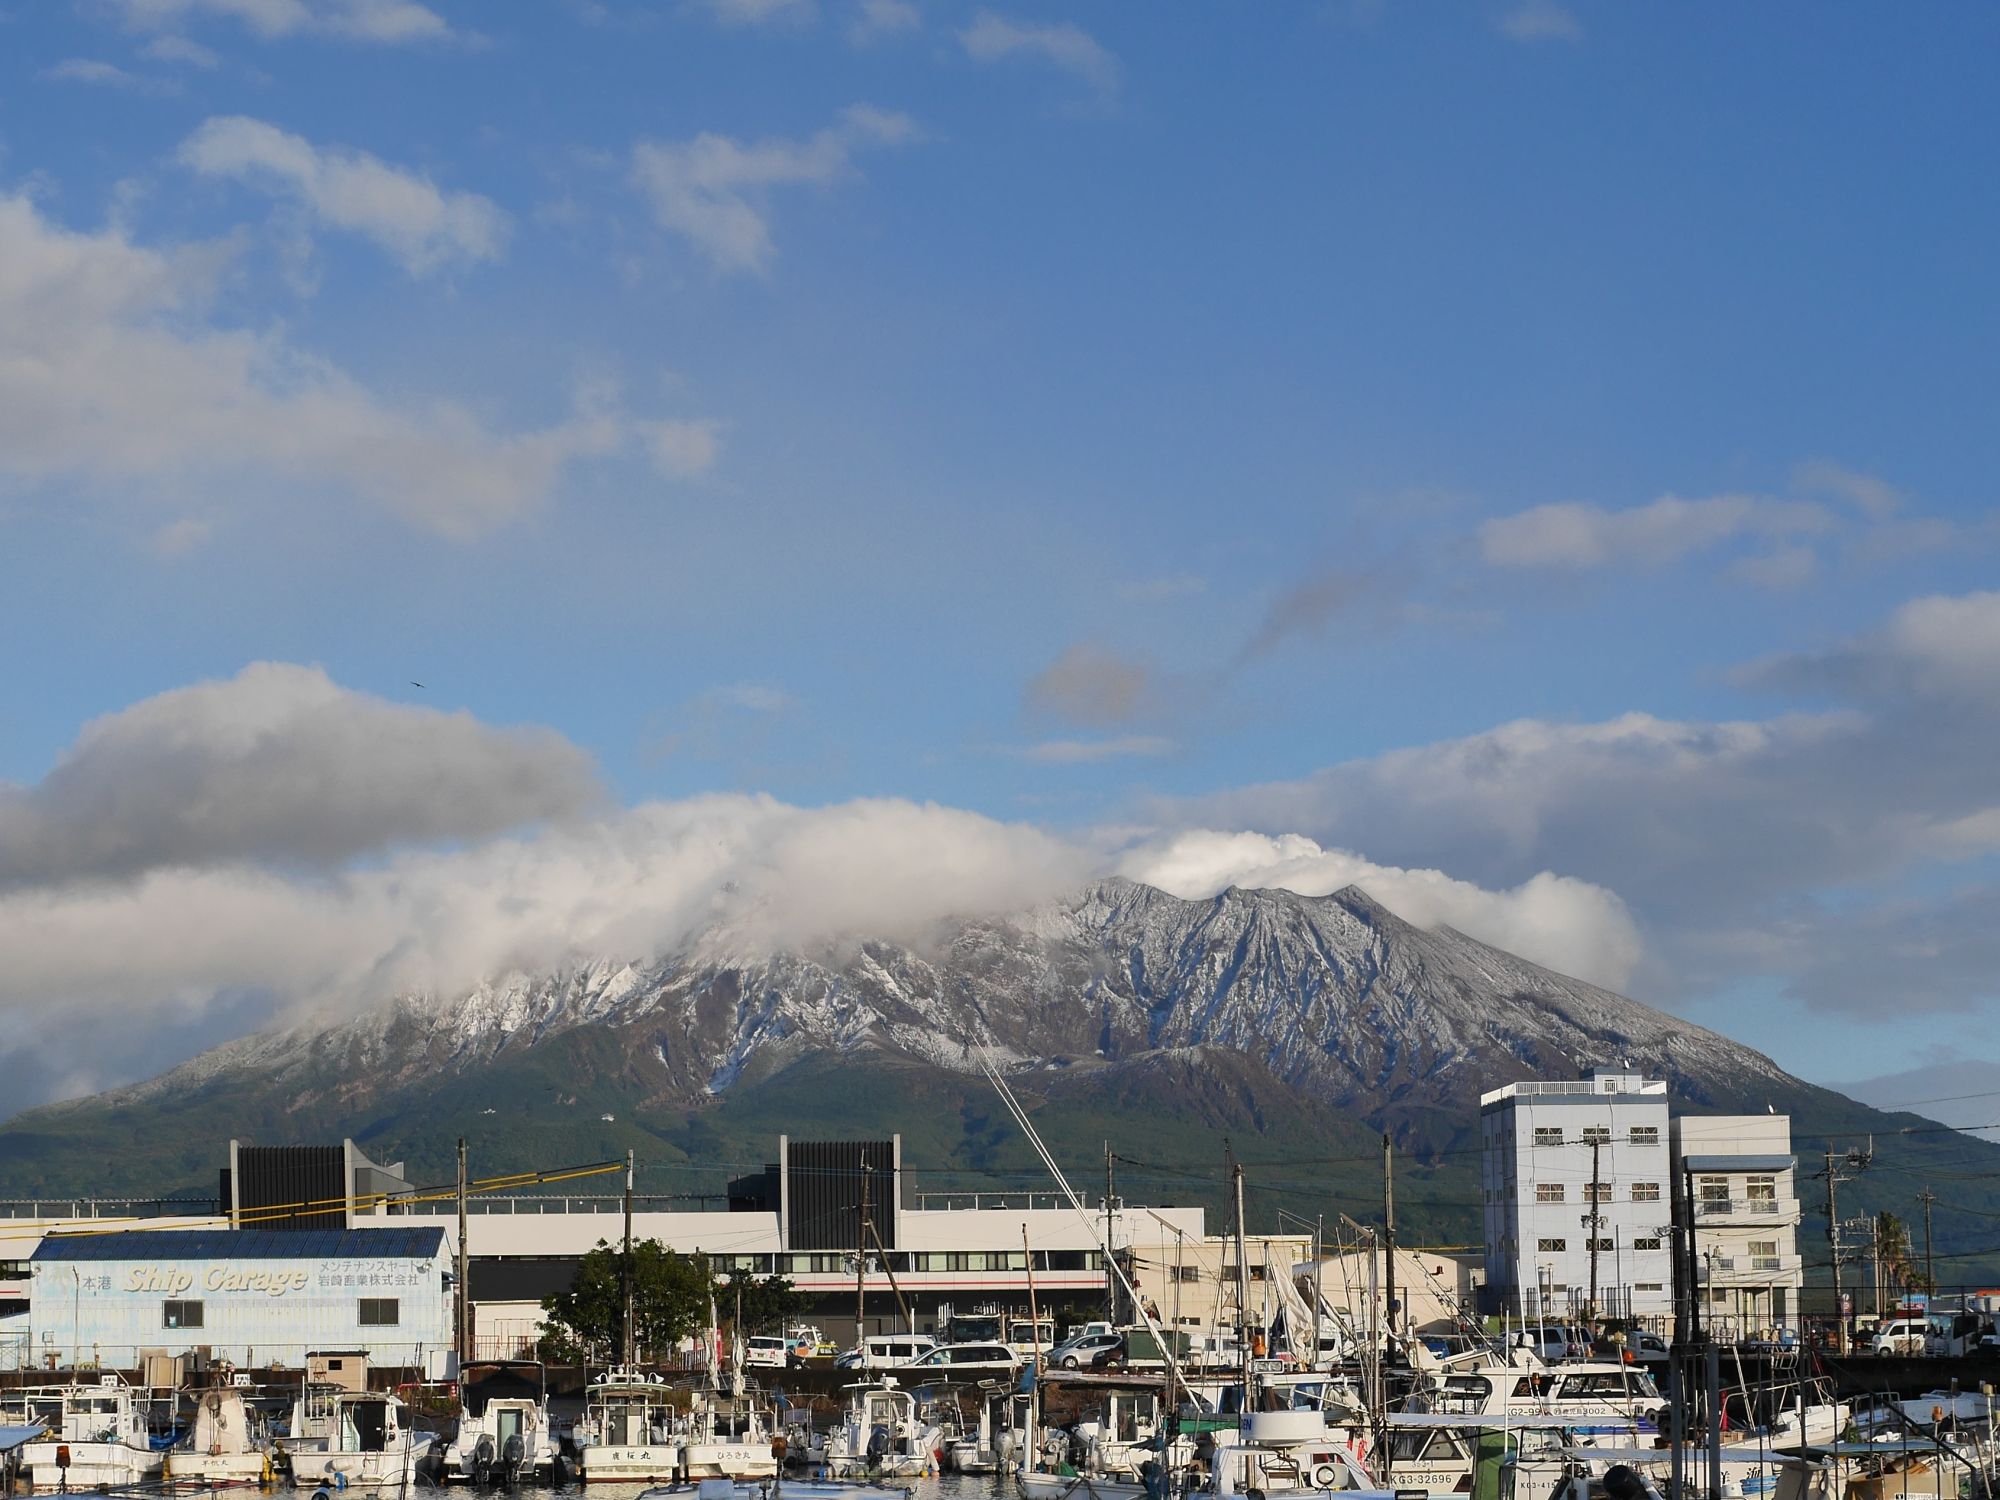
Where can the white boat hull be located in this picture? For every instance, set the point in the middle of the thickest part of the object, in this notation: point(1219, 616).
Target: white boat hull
point(642, 1463)
point(729, 1461)
point(218, 1469)
point(90, 1465)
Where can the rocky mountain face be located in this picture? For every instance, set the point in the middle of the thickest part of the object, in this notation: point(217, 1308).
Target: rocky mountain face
point(1334, 996)
point(1289, 1031)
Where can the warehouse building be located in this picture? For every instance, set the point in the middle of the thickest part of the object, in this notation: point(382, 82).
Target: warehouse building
point(252, 1297)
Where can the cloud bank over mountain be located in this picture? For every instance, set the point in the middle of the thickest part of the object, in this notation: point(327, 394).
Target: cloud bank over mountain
point(274, 843)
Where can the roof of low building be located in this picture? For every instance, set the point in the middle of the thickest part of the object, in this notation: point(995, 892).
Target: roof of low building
point(415, 1243)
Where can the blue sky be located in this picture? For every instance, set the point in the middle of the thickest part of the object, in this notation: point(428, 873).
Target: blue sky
point(1134, 426)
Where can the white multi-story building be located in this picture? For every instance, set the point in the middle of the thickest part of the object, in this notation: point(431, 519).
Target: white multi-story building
point(1576, 1176)
point(1746, 1218)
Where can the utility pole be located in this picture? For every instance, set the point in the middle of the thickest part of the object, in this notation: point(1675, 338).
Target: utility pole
point(1875, 1261)
point(1242, 1290)
point(1833, 1250)
point(630, 1352)
point(1110, 1275)
point(1593, 1226)
point(1927, 1198)
point(463, 1301)
point(861, 1269)
point(1389, 1232)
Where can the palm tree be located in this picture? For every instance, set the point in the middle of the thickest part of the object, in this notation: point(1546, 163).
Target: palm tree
point(1892, 1248)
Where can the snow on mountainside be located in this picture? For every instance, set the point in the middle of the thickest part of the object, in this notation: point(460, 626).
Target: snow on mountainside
point(1333, 995)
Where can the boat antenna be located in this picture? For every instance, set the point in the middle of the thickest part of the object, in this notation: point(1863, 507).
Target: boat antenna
point(1020, 1115)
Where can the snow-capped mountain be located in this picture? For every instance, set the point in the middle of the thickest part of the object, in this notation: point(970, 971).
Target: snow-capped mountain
point(1333, 995)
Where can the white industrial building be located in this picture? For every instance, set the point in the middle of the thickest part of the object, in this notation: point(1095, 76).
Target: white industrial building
point(1577, 1181)
point(262, 1298)
point(1746, 1219)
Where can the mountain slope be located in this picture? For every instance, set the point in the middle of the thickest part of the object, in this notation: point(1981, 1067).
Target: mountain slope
point(1299, 1027)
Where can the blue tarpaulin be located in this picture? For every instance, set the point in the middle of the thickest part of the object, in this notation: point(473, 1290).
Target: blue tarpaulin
point(12, 1437)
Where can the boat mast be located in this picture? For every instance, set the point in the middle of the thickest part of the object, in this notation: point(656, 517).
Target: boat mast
point(861, 1268)
point(630, 1351)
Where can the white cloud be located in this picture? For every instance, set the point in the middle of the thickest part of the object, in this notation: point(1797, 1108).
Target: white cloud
point(1943, 649)
point(278, 765)
point(1567, 925)
point(681, 449)
point(1086, 752)
point(178, 538)
point(276, 844)
point(423, 227)
point(1541, 21)
point(995, 38)
point(179, 49)
point(389, 22)
point(92, 70)
point(1875, 498)
point(880, 18)
point(712, 190)
point(1577, 536)
point(761, 12)
point(1786, 568)
point(108, 375)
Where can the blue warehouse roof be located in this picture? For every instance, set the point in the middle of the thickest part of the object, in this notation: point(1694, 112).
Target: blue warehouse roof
point(246, 1244)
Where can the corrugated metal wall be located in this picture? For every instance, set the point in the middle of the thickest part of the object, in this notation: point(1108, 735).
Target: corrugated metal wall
point(252, 1311)
point(277, 1178)
point(823, 1192)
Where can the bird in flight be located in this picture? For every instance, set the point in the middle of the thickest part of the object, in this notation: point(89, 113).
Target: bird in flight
point(414, 683)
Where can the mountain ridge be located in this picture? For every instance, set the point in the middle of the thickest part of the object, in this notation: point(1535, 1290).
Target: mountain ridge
point(1315, 1024)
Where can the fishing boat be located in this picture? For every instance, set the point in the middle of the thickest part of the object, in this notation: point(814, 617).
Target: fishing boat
point(727, 1437)
point(225, 1446)
point(504, 1435)
point(95, 1435)
point(373, 1447)
point(311, 1424)
point(1289, 1453)
point(881, 1435)
point(777, 1489)
point(630, 1431)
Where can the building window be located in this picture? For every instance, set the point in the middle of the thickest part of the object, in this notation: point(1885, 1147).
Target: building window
point(1652, 1243)
point(1548, 1192)
point(1551, 1247)
point(380, 1312)
point(1645, 1135)
point(1763, 1247)
point(1761, 1189)
point(1597, 1135)
point(181, 1315)
point(1187, 1273)
point(1597, 1192)
point(1715, 1190)
point(1548, 1135)
point(1648, 1286)
point(1645, 1192)
point(1607, 1243)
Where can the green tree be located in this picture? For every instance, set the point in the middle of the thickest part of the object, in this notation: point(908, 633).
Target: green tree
point(1892, 1239)
point(763, 1303)
point(669, 1302)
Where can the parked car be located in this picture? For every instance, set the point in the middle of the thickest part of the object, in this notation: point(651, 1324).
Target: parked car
point(967, 1359)
point(1901, 1336)
point(888, 1351)
point(767, 1351)
point(1081, 1351)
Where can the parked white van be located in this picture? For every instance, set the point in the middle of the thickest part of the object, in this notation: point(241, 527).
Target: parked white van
point(976, 1360)
point(887, 1351)
point(1901, 1336)
point(767, 1352)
